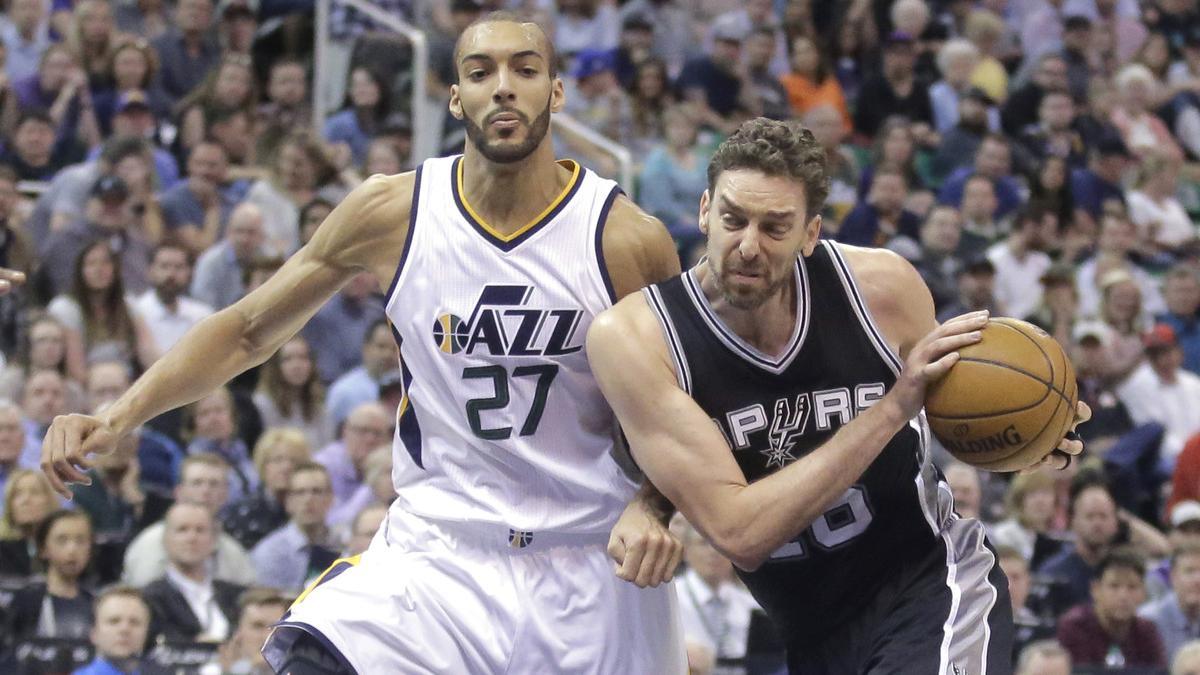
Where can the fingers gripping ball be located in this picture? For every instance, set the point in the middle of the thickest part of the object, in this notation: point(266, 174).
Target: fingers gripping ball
point(1008, 401)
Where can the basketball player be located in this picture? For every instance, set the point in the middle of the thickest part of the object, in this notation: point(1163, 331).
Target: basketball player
point(493, 557)
point(774, 392)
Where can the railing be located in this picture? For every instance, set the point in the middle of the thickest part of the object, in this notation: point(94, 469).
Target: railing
point(587, 140)
point(423, 122)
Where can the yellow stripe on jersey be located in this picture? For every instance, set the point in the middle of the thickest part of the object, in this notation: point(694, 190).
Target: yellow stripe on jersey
point(351, 561)
point(566, 163)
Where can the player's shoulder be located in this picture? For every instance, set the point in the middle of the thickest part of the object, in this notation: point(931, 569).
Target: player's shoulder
point(637, 248)
point(894, 291)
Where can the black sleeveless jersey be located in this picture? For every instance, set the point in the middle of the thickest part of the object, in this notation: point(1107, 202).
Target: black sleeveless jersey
point(774, 410)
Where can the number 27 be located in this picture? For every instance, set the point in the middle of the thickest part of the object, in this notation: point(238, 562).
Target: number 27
point(500, 398)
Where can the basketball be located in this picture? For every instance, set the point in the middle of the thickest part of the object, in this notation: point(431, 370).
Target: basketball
point(1008, 401)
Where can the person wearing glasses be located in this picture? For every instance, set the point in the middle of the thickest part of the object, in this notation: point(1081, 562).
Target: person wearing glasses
point(290, 557)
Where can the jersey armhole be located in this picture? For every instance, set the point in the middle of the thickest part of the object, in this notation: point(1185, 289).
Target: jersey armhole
point(861, 310)
point(678, 357)
point(601, 221)
point(412, 234)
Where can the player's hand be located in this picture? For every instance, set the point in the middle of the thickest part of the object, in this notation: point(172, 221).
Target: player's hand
point(69, 442)
point(932, 357)
point(1069, 448)
point(645, 551)
point(10, 279)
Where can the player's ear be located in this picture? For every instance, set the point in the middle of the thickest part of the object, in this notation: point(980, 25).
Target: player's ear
point(704, 212)
point(812, 233)
point(455, 105)
point(558, 96)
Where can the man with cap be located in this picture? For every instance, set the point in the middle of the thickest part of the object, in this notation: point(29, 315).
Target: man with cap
point(1183, 521)
point(107, 215)
point(596, 99)
point(1160, 390)
point(715, 82)
point(895, 90)
point(1177, 613)
point(133, 117)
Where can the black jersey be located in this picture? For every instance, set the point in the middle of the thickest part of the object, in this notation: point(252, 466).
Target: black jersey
point(773, 410)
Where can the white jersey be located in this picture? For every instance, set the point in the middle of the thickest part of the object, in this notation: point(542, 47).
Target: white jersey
point(502, 422)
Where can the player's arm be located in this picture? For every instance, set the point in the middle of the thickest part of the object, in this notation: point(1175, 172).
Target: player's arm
point(353, 238)
point(638, 250)
point(682, 451)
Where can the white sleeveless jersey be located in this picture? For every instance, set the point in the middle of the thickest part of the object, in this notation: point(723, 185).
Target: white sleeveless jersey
point(502, 422)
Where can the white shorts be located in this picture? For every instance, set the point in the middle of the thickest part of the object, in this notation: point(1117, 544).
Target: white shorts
point(436, 597)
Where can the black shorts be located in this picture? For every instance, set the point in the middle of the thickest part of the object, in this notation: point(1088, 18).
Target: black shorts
point(948, 614)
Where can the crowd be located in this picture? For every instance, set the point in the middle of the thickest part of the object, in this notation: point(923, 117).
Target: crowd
point(1038, 158)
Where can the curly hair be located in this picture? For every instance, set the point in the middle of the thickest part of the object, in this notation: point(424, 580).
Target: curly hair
point(775, 148)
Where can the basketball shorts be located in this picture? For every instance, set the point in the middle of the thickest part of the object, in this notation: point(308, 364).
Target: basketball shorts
point(440, 597)
point(947, 614)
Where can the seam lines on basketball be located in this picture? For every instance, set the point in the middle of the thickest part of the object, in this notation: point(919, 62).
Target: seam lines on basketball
point(1001, 413)
point(1046, 356)
point(1049, 385)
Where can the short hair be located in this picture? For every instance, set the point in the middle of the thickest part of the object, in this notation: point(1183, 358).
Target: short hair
point(313, 203)
point(42, 532)
point(1182, 271)
point(118, 148)
point(34, 115)
point(775, 148)
point(284, 61)
point(119, 591)
point(257, 596)
point(172, 246)
point(507, 16)
point(1044, 648)
point(1086, 479)
point(1123, 558)
point(955, 49)
point(202, 459)
point(310, 465)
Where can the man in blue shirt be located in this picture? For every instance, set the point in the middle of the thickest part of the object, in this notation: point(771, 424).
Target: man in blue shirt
point(361, 385)
point(119, 632)
point(993, 160)
point(1101, 180)
point(1181, 291)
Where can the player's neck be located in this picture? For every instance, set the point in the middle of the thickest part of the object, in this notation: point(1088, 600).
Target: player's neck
point(508, 196)
point(767, 327)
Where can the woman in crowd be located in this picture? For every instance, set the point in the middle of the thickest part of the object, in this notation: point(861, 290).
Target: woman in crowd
point(368, 101)
point(91, 39)
point(28, 500)
point(60, 87)
point(209, 425)
point(1163, 224)
point(46, 344)
point(1144, 133)
point(97, 310)
point(291, 395)
point(59, 607)
point(674, 177)
point(812, 82)
point(1030, 503)
point(229, 85)
point(301, 171)
point(895, 147)
point(649, 97)
point(278, 452)
point(132, 67)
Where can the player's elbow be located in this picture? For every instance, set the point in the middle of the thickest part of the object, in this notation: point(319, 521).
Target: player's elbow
point(737, 542)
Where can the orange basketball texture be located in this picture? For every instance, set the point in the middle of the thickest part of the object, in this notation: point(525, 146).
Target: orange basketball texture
point(1008, 401)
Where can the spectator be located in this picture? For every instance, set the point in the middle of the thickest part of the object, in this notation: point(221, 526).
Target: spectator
point(935, 258)
point(189, 604)
point(841, 166)
point(28, 500)
point(188, 51)
point(1183, 521)
point(1143, 132)
point(1159, 390)
point(1053, 135)
point(1113, 248)
point(368, 426)
point(366, 524)
point(43, 400)
point(980, 225)
point(293, 555)
point(714, 610)
point(12, 442)
point(895, 91)
point(964, 485)
point(1021, 108)
point(237, 29)
point(1176, 615)
point(1125, 31)
point(383, 157)
point(195, 211)
point(1029, 628)
point(291, 395)
point(674, 176)
point(1109, 632)
point(993, 160)
point(976, 290)
point(46, 345)
point(119, 632)
point(229, 85)
point(203, 481)
point(166, 309)
point(960, 143)
point(368, 102)
point(311, 216)
point(1076, 52)
point(97, 309)
point(712, 83)
point(1045, 657)
point(1058, 310)
point(596, 99)
point(222, 269)
point(768, 91)
point(1021, 260)
point(1100, 182)
point(59, 607)
point(988, 33)
point(132, 74)
point(895, 147)
point(276, 455)
point(1093, 521)
point(650, 97)
point(258, 611)
point(60, 89)
point(1181, 292)
point(585, 24)
point(1163, 224)
point(1030, 504)
point(33, 151)
point(233, 129)
point(300, 171)
point(108, 217)
point(810, 82)
point(210, 426)
point(26, 35)
point(287, 105)
point(376, 488)
point(338, 330)
point(956, 61)
point(16, 253)
point(882, 216)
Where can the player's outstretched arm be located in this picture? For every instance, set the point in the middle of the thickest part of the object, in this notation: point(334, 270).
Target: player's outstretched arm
point(685, 455)
point(352, 239)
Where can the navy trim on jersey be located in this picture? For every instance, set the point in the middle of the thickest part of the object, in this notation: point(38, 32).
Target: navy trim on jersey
point(682, 372)
point(861, 308)
point(317, 635)
point(412, 229)
point(600, 223)
point(408, 428)
point(527, 231)
point(740, 347)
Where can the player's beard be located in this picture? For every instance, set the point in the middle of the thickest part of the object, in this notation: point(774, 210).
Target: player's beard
point(501, 153)
point(747, 300)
